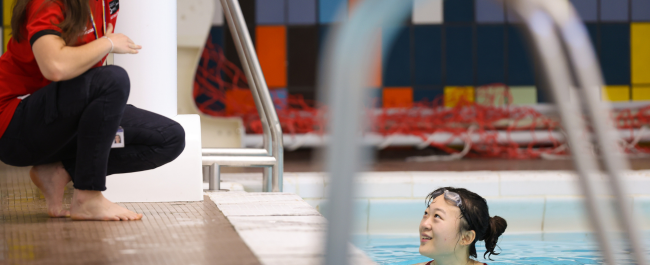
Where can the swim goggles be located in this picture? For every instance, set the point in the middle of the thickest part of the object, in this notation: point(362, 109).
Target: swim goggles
point(452, 197)
point(449, 195)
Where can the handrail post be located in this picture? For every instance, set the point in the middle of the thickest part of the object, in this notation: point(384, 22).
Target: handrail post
point(564, 52)
point(271, 127)
point(582, 57)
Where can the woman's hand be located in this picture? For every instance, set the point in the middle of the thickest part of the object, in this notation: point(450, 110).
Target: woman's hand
point(121, 43)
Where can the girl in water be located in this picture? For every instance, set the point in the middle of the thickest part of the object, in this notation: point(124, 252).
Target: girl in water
point(452, 223)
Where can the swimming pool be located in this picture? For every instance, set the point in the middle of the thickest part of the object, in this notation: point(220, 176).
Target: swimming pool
point(564, 248)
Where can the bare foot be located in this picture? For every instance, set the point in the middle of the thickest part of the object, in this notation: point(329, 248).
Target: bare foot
point(92, 205)
point(51, 180)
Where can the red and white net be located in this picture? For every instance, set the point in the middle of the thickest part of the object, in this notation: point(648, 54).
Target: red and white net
point(221, 90)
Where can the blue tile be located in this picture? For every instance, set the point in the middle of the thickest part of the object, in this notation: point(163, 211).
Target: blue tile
point(397, 59)
point(640, 10)
point(544, 95)
point(427, 54)
point(269, 12)
point(459, 55)
point(216, 37)
point(428, 93)
point(614, 10)
point(489, 11)
point(302, 12)
point(323, 30)
point(491, 63)
point(329, 10)
point(520, 64)
point(587, 9)
point(279, 98)
point(216, 34)
point(592, 29)
point(458, 10)
point(615, 53)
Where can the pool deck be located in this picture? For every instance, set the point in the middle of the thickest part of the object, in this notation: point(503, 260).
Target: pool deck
point(169, 233)
point(225, 228)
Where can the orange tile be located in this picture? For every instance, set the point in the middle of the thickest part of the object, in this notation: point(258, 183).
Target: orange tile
point(239, 101)
point(272, 52)
point(456, 96)
point(397, 97)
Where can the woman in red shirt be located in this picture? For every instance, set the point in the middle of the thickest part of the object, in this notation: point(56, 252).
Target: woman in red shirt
point(455, 219)
point(60, 108)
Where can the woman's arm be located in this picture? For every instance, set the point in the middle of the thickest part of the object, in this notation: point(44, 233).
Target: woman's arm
point(59, 62)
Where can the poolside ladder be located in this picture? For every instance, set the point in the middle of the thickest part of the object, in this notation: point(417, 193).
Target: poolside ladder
point(271, 156)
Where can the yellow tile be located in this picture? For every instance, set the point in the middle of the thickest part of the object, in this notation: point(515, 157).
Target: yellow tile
point(6, 36)
point(616, 93)
point(641, 93)
point(640, 42)
point(491, 95)
point(455, 96)
point(7, 10)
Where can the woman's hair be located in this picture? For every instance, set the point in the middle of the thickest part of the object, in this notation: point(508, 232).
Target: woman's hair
point(475, 216)
point(76, 16)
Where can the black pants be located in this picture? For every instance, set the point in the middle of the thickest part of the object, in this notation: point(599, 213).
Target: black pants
point(75, 121)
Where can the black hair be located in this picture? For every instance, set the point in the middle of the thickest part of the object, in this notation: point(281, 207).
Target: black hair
point(475, 216)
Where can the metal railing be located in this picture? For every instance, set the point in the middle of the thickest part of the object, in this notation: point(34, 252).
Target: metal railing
point(271, 156)
point(568, 67)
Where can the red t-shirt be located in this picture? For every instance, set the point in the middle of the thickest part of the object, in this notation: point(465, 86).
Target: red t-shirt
point(19, 72)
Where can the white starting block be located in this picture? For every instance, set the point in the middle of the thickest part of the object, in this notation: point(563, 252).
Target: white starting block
point(180, 180)
point(153, 74)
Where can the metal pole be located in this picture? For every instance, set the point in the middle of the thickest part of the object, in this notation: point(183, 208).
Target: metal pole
point(215, 177)
point(270, 122)
point(206, 173)
point(344, 77)
point(229, 13)
point(557, 74)
point(246, 50)
point(587, 73)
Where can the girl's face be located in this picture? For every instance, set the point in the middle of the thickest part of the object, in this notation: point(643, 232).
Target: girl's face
point(439, 228)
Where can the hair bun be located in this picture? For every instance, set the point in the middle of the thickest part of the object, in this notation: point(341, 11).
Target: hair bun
point(496, 228)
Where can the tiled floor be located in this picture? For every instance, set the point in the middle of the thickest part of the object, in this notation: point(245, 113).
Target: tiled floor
point(169, 233)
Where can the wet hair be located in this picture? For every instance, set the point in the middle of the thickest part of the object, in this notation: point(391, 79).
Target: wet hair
point(475, 216)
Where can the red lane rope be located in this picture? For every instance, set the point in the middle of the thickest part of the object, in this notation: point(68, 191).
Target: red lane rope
point(221, 90)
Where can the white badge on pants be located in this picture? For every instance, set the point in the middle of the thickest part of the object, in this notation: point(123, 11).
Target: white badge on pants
point(118, 142)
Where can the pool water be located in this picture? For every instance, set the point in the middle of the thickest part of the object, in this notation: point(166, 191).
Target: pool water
point(574, 248)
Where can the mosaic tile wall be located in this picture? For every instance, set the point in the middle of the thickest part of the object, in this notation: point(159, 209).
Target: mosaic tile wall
point(446, 47)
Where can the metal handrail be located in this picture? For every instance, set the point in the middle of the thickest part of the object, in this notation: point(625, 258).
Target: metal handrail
point(271, 128)
point(562, 63)
point(234, 152)
point(557, 35)
point(343, 77)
